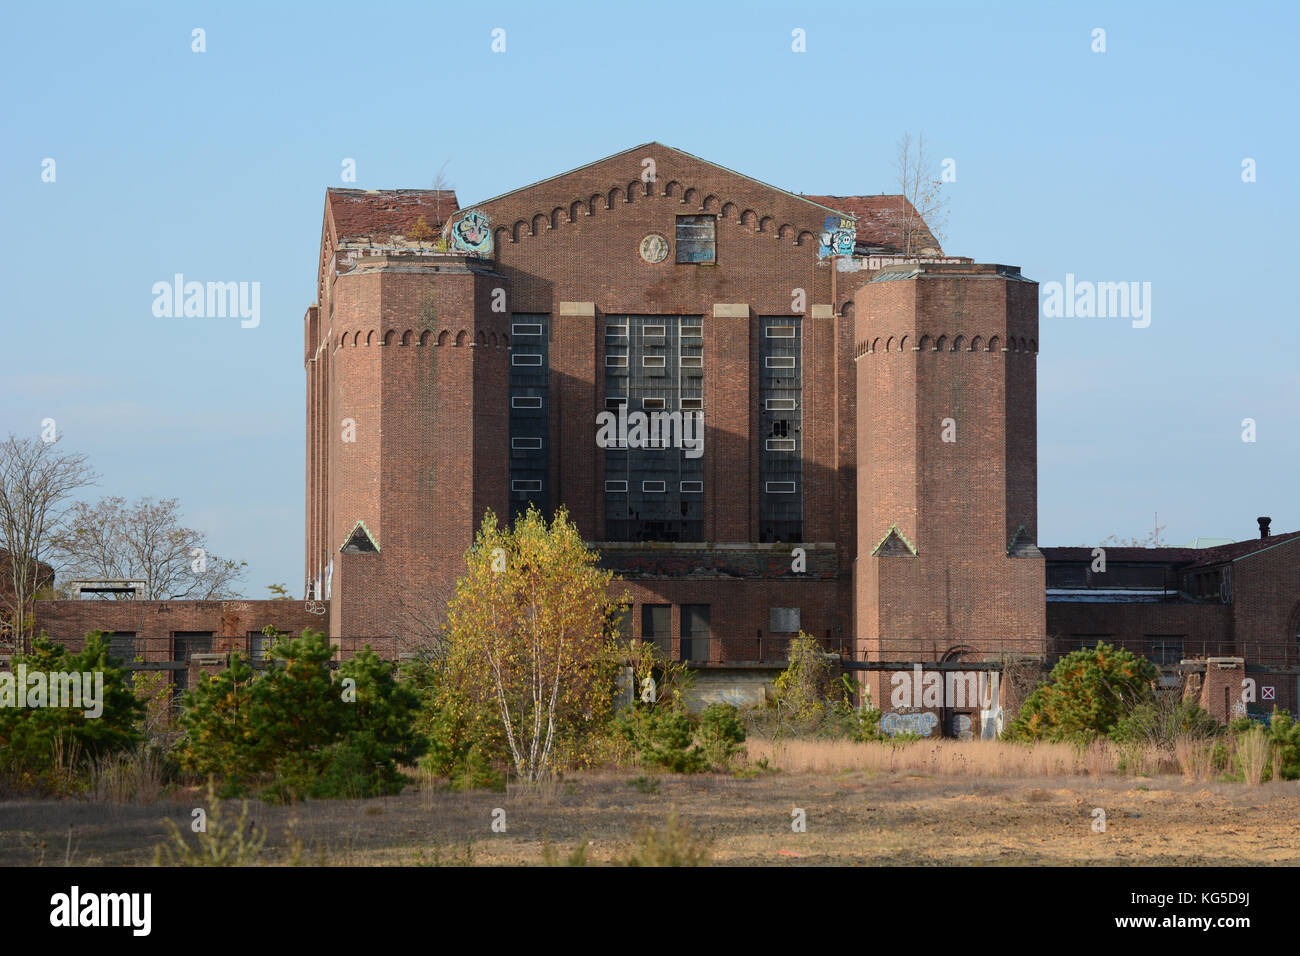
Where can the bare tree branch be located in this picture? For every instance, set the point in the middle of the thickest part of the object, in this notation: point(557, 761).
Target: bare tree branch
point(924, 216)
point(36, 481)
point(146, 540)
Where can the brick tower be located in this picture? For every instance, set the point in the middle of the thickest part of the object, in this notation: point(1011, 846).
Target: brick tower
point(947, 560)
point(408, 428)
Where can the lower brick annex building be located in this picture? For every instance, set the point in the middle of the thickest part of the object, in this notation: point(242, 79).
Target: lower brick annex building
point(770, 412)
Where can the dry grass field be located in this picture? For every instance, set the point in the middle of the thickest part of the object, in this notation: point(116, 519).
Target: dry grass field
point(924, 803)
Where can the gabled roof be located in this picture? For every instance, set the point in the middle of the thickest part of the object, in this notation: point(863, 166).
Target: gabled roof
point(655, 145)
point(394, 212)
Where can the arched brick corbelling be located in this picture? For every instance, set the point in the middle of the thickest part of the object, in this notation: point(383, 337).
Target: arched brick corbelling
point(517, 230)
point(499, 235)
point(749, 218)
point(710, 203)
point(1033, 346)
point(959, 343)
point(785, 231)
point(805, 234)
point(575, 210)
point(976, 344)
point(688, 197)
point(538, 221)
point(425, 336)
point(631, 192)
point(926, 343)
point(443, 336)
point(889, 344)
point(460, 337)
point(765, 223)
point(557, 217)
point(492, 339)
point(875, 346)
point(615, 195)
point(370, 337)
point(672, 187)
point(728, 210)
point(995, 344)
point(482, 338)
point(389, 336)
point(902, 344)
point(593, 204)
point(941, 344)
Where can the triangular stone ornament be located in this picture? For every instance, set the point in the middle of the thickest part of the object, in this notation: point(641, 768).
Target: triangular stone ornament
point(894, 545)
point(360, 541)
point(1022, 546)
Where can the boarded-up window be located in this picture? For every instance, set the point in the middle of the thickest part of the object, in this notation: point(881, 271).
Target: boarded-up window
point(783, 620)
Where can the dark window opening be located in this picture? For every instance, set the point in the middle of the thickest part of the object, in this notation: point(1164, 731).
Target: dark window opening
point(695, 632)
point(656, 627)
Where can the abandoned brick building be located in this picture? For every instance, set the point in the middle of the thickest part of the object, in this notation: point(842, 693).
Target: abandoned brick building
point(821, 422)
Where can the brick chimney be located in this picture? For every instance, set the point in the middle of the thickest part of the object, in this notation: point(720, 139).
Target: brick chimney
point(1263, 527)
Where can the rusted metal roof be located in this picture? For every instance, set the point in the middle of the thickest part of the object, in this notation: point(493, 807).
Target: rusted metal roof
point(1182, 558)
point(383, 212)
point(881, 221)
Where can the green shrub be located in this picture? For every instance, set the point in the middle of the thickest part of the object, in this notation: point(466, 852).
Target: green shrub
point(720, 735)
point(1160, 720)
point(661, 739)
point(465, 742)
point(47, 748)
point(1285, 736)
point(1086, 694)
point(310, 735)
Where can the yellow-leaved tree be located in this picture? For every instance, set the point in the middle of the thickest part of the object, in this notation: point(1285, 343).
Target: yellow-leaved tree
point(532, 627)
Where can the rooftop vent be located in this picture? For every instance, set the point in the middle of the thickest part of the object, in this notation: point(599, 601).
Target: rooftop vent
point(1263, 527)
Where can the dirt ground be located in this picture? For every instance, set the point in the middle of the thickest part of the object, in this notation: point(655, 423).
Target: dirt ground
point(852, 818)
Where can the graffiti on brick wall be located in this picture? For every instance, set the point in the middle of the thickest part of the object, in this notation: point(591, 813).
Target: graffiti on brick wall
point(315, 607)
point(839, 233)
point(922, 725)
point(472, 233)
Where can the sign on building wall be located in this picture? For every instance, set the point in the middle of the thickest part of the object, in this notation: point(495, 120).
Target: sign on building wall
point(839, 233)
point(472, 233)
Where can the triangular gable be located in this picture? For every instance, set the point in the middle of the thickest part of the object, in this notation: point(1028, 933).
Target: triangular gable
point(654, 146)
point(1022, 545)
point(894, 545)
point(360, 541)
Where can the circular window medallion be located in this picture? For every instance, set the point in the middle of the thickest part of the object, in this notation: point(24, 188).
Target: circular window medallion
point(654, 248)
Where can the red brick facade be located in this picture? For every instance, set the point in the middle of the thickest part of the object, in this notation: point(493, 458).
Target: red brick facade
point(917, 432)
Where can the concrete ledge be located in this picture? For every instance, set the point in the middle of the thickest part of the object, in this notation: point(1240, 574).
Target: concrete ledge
point(587, 309)
point(730, 310)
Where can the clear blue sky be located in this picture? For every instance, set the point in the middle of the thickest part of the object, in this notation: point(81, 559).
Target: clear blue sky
point(1115, 166)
